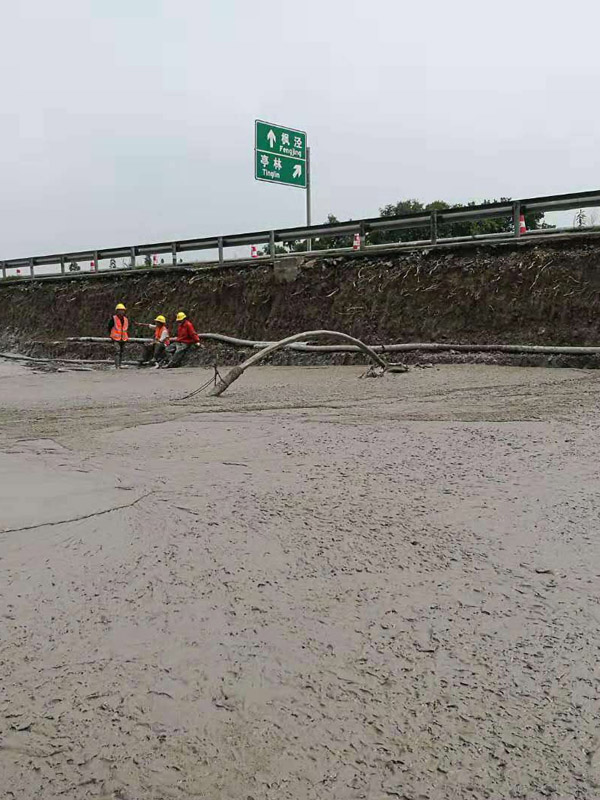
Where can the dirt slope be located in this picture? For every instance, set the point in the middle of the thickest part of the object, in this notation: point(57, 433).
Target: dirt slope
point(543, 294)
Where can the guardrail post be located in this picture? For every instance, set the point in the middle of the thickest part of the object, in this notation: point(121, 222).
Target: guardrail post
point(132, 258)
point(272, 244)
point(62, 265)
point(3, 270)
point(31, 271)
point(517, 218)
point(96, 264)
point(434, 227)
point(363, 236)
point(174, 253)
point(220, 245)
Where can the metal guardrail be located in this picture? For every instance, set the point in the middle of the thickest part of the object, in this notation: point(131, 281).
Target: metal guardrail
point(429, 220)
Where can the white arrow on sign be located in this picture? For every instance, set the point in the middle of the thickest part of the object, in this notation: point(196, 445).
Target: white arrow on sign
point(297, 170)
point(271, 137)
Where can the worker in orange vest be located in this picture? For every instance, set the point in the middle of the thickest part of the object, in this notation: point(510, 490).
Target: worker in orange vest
point(155, 351)
point(118, 326)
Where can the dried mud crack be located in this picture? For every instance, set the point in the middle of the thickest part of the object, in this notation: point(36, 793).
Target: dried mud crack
point(78, 518)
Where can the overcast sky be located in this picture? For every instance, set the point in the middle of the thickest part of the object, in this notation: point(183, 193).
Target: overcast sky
point(125, 121)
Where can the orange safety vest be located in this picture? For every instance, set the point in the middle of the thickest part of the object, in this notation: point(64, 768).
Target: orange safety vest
point(120, 328)
point(158, 332)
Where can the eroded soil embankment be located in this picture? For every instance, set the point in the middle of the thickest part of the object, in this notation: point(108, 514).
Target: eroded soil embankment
point(535, 294)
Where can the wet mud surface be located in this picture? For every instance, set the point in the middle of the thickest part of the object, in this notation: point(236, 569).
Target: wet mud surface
point(313, 587)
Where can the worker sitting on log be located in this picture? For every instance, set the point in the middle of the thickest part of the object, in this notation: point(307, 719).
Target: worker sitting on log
point(186, 338)
point(118, 327)
point(155, 352)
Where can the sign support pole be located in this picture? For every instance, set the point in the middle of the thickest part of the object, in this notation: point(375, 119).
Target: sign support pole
point(308, 198)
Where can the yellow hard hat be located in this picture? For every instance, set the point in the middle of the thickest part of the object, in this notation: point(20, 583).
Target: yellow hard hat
point(180, 316)
point(120, 307)
point(160, 318)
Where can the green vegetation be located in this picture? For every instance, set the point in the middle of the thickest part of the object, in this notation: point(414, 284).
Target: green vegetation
point(533, 220)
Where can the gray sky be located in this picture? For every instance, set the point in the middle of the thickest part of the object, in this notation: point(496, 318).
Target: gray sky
point(126, 121)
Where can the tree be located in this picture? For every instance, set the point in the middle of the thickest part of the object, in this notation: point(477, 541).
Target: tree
point(533, 220)
point(319, 243)
point(410, 206)
point(333, 242)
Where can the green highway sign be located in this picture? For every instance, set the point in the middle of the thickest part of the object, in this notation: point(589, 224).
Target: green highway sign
point(280, 155)
point(280, 169)
point(282, 141)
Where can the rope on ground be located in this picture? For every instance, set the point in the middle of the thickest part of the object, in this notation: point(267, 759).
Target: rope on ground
point(213, 379)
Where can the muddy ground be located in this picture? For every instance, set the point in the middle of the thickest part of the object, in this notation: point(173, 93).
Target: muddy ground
point(313, 587)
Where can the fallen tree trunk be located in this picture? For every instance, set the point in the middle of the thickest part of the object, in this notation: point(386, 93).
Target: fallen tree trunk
point(426, 347)
point(235, 373)
point(17, 357)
